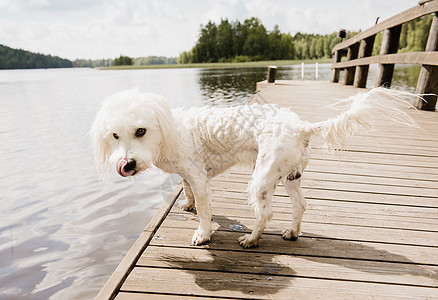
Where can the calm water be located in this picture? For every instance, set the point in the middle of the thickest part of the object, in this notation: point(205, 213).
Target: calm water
point(62, 232)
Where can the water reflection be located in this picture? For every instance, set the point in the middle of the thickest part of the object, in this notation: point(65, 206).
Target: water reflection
point(223, 87)
point(406, 77)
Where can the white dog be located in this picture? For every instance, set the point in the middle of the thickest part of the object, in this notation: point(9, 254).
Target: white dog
point(134, 131)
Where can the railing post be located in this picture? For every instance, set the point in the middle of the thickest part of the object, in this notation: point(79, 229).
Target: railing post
point(272, 74)
point(390, 42)
point(349, 72)
point(428, 78)
point(335, 72)
point(365, 50)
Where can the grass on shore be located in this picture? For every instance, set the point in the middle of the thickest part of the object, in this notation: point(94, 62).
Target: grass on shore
point(252, 64)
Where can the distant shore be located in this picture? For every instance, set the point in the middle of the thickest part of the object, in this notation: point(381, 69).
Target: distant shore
point(252, 64)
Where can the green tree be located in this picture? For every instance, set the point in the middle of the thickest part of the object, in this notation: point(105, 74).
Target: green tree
point(186, 57)
point(224, 40)
point(274, 41)
point(240, 33)
point(256, 43)
point(205, 48)
point(123, 61)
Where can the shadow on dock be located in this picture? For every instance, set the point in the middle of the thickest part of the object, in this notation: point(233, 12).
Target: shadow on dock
point(263, 272)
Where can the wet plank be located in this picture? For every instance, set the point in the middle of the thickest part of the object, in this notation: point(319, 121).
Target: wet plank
point(288, 265)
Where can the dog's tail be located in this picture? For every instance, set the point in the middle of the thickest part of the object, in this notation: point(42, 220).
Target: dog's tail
point(362, 110)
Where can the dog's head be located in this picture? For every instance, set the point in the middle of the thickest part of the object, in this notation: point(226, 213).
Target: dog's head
point(132, 131)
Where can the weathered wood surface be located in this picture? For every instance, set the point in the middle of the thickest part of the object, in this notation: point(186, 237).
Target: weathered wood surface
point(389, 45)
point(405, 16)
point(365, 50)
point(272, 74)
point(428, 77)
point(370, 231)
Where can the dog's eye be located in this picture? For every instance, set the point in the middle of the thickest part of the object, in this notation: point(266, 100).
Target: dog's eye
point(115, 136)
point(140, 132)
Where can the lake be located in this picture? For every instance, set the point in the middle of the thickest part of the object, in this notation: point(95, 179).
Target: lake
point(62, 231)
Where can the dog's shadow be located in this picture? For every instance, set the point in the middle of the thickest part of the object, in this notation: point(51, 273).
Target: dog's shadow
point(235, 269)
point(262, 271)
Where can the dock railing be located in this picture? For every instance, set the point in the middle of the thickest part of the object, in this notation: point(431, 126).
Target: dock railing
point(358, 51)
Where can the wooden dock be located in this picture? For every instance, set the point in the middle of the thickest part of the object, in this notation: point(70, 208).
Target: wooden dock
point(370, 231)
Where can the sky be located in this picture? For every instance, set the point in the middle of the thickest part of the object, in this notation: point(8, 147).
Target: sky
point(96, 29)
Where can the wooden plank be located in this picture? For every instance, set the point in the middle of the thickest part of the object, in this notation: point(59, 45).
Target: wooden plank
point(343, 186)
point(394, 141)
point(142, 296)
point(365, 50)
point(325, 207)
point(322, 246)
point(246, 222)
point(348, 166)
point(205, 283)
point(345, 218)
point(390, 41)
point(352, 54)
point(428, 77)
point(406, 174)
point(111, 287)
point(349, 175)
point(378, 157)
point(337, 56)
point(283, 201)
point(289, 265)
point(350, 196)
point(427, 58)
point(328, 180)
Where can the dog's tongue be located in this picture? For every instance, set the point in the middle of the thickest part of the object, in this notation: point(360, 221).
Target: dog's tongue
point(121, 168)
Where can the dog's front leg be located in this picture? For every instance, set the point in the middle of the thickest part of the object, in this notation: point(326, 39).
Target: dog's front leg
point(202, 191)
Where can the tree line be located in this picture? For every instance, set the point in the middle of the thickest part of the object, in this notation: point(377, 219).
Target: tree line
point(251, 41)
point(239, 42)
point(11, 58)
point(138, 61)
point(20, 59)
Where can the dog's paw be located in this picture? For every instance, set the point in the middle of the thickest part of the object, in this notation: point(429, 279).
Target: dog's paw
point(200, 237)
point(247, 241)
point(185, 205)
point(289, 234)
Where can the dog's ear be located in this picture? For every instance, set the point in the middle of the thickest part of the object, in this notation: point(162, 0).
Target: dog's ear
point(99, 144)
point(167, 124)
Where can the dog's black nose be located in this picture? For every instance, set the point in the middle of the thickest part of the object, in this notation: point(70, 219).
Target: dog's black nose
point(130, 166)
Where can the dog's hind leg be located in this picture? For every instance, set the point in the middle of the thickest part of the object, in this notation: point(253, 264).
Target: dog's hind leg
point(261, 202)
point(261, 190)
point(190, 203)
point(292, 184)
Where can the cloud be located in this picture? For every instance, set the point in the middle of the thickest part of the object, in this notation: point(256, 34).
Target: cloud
point(107, 28)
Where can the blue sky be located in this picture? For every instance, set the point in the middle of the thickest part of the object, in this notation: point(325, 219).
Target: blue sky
point(107, 28)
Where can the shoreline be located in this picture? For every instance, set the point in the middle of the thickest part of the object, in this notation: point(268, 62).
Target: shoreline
point(252, 64)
